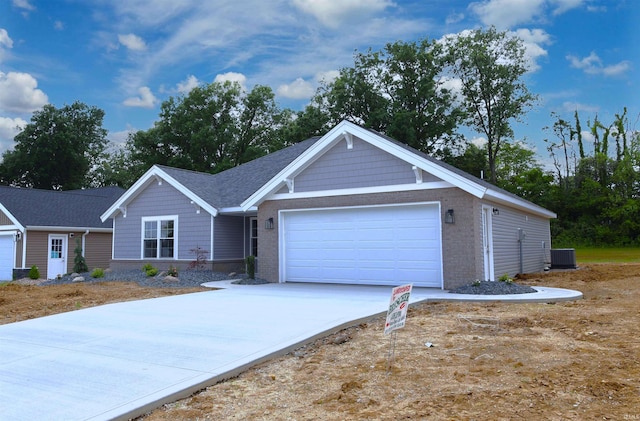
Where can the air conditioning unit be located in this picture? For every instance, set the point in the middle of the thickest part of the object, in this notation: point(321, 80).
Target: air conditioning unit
point(563, 258)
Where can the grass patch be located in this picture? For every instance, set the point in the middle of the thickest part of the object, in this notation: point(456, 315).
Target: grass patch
point(608, 255)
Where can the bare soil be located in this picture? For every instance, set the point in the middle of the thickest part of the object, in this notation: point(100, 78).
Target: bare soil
point(566, 361)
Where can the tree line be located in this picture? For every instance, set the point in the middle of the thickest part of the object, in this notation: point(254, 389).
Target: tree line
point(420, 93)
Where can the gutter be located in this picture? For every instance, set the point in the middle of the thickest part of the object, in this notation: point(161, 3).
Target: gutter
point(65, 229)
point(83, 241)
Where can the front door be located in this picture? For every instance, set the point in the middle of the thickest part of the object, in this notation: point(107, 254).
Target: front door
point(487, 243)
point(57, 256)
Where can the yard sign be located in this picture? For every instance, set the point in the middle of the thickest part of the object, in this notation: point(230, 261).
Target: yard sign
point(398, 307)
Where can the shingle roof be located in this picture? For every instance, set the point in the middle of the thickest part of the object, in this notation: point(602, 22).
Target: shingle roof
point(231, 187)
point(70, 208)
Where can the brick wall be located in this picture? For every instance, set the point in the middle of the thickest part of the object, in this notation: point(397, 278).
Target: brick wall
point(462, 241)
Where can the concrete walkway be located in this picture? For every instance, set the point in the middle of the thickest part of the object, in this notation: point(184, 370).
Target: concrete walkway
point(121, 360)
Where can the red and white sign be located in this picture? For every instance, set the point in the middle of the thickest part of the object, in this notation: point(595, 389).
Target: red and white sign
point(398, 306)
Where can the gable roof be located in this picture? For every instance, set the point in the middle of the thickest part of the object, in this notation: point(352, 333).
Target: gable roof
point(79, 209)
point(448, 173)
point(214, 192)
point(244, 187)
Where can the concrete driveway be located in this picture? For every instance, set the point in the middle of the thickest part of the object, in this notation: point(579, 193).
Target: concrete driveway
point(121, 360)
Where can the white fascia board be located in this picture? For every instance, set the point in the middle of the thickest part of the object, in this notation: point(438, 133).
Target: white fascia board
point(518, 203)
point(66, 229)
point(298, 164)
point(151, 174)
point(237, 210)
point(363, 190)
point(12, 218)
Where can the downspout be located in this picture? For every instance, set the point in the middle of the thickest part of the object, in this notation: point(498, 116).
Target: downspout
point(83, 241)
point(24, 249)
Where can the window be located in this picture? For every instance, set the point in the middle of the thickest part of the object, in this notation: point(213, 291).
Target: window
point(254, 237)
point(158, 239)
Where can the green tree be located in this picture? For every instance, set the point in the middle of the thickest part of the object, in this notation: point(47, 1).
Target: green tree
point(490, 66)
point(398, 91)
point(57, 150)
point(469, 158)
point(213, 128)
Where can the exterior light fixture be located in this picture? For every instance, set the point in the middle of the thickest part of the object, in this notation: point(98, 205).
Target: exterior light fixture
point(496, 211)
point(268, 224)
point(449, 218)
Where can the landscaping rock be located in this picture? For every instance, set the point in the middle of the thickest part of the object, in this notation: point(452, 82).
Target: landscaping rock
point(170, 278)
point(78, 279)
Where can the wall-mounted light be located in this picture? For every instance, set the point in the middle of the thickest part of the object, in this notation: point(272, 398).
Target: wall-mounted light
point(18, 235)
point(496, 211)
point(268, 224)
point(449, 218)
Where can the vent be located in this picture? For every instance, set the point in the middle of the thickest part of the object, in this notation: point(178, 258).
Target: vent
point(563, 258)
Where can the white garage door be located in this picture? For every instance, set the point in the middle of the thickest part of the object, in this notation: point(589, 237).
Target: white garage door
point(6, 257)
point(380, 245)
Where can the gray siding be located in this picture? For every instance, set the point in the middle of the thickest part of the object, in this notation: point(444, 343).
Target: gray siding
point(193, 229)
point(362, 166)
point(4, 219)
point(506, 253)
point(229, 237)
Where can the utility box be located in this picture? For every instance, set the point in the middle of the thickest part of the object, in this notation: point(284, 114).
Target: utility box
point(563, 258)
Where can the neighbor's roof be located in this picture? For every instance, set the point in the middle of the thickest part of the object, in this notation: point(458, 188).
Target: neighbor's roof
point(30, 208)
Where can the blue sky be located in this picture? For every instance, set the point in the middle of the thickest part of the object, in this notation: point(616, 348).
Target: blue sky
point(128, 56)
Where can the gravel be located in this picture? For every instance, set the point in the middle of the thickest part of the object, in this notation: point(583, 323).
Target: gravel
point(186, 278)
point(493, 288)
point(194, 278)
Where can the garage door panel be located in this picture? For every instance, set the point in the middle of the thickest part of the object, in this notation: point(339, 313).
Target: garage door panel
point(378, 245)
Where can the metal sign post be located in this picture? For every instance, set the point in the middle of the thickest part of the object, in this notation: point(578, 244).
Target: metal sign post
point(396, 317)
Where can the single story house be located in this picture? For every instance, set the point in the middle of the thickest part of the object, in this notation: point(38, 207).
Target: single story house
point(41, 228)
point(352, 206)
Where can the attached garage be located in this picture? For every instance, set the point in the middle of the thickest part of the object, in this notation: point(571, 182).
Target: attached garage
point(373, 245)
point(7, 256)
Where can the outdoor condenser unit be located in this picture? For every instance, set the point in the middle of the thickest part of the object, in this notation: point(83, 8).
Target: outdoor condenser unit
point(563, 258)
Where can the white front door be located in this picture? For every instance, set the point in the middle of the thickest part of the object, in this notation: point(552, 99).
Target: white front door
point(487, 243)
point(57, 256)
point(7, 257)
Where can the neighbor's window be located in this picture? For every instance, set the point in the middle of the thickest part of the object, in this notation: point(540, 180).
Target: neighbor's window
point(158, 239)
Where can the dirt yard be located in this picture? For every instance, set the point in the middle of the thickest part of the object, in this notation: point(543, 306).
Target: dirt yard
point(566, 361)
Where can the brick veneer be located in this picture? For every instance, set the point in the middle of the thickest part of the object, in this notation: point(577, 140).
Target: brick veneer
point(462, 241)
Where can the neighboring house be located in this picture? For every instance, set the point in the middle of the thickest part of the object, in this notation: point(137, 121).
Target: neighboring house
point(353, 206)
point(41, 228)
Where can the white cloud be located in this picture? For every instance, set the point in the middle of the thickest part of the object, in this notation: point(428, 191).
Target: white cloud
point(23, 4)
point(58, 25)
point(132, 42)
point(9, 128)
point(592, 64)
point(328, 76)
point(231, 77)
point(572, 107)
point(298, 89)
point(561, 6)
point(454, 18)
point(19, 93)
point(533, 40)
point(333, 13)
point(145, 100)
point(508, 13)
point(188, 84)
point(5, 42)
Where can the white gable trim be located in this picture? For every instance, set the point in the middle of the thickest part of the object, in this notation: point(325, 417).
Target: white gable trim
point(517, 203)
point(155, 174)
point(345, 130)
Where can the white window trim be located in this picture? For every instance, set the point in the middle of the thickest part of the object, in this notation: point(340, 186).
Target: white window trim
point(157, 219)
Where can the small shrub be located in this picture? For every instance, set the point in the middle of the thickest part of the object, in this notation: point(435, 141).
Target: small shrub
point(200, 261)
point(79, 262)
point(172, 271)
point(476, 283)
point(151, 271)
point(505, 278)
point(34, 272)
point(97, 273)
point(146, 267)
point(251, 267)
